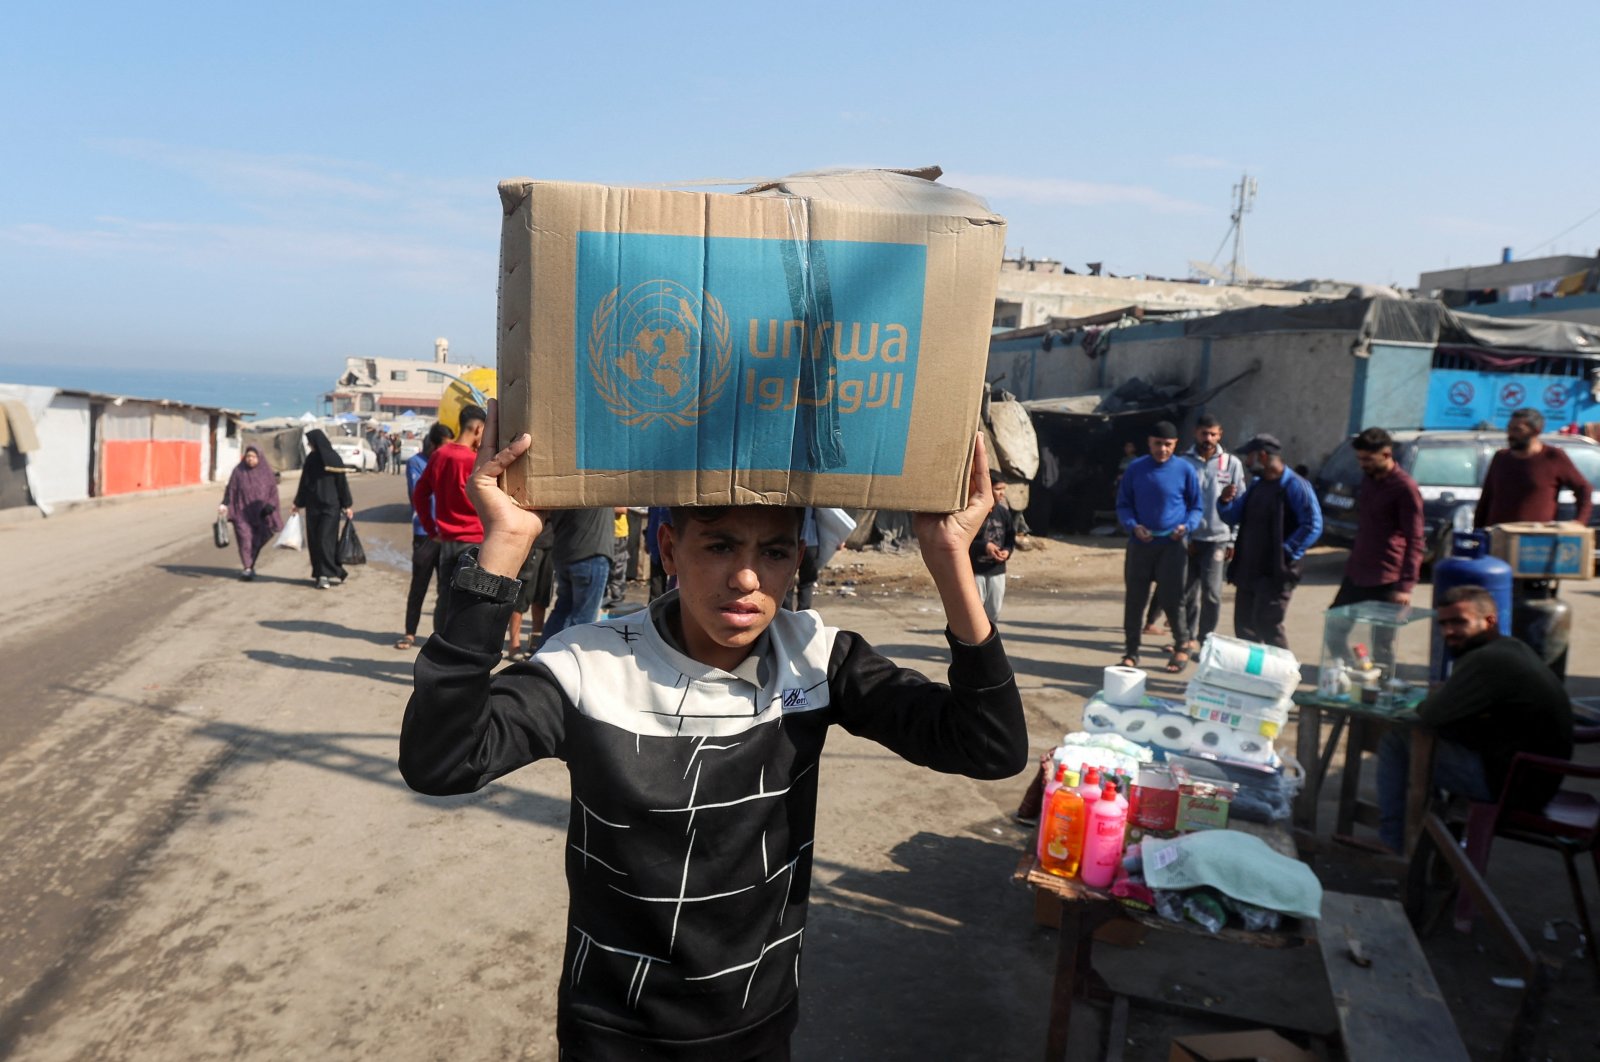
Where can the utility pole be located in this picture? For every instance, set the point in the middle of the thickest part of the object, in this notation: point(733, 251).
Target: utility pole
point(1244, 198)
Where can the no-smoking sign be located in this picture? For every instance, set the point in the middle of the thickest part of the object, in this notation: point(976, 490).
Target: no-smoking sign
point(1513, 394)
point(1555, 396)
point(1461, 393)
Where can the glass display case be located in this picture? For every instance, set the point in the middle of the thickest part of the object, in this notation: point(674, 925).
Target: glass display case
point(1376, 652)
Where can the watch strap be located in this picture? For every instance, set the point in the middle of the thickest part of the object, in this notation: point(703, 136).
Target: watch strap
point(479, 583)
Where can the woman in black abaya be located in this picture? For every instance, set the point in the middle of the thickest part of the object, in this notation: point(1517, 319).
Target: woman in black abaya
point(324, 494)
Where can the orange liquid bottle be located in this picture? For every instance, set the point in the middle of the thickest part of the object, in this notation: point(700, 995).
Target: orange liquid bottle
point(1064, 821)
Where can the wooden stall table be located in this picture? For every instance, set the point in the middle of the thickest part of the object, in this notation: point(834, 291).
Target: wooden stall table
point(1084, 910)
point(1366, 723)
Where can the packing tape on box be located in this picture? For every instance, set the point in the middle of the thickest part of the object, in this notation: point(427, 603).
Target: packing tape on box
point(1211, 736)
point(1101, 718)
point(1175, 732)
point(1124, 686)
point(1138, 724)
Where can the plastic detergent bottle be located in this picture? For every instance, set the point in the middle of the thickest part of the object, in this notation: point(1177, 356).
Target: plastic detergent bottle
point(1089, 790)
point(1053, 781)
point(1102, 843)
point(1064, 820)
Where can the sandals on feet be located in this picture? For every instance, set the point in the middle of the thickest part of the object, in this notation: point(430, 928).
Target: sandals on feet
point(406, 641)
point(1179, 661)
point(1130, 661)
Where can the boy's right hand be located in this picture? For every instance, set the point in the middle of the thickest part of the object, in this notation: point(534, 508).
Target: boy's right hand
point(509, 530)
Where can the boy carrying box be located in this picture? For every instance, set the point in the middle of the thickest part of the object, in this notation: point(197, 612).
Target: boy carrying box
point(692, 733)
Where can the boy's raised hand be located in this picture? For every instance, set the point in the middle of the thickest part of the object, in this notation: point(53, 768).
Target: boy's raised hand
point(949, 533)
point(944, 539)
point(509, 530)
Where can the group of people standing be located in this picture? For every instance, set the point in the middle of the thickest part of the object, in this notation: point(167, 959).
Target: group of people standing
point(1196, 519)
point(566, 574)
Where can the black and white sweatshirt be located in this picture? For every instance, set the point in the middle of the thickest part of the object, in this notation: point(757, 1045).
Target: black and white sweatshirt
point(694, 797)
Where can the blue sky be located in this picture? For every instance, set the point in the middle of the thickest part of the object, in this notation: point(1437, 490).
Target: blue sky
point(276, 187)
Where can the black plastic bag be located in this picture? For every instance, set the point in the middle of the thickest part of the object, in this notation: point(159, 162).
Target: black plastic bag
point(350, 551)
point(219, 533)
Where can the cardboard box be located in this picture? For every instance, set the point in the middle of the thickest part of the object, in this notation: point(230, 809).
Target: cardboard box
point(1256, 1045)
point(816, 341)
point(1560, 550)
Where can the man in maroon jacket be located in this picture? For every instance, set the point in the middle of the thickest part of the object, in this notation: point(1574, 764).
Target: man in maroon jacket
point(1386, 557)
point(443, 508)
point(1526, 479)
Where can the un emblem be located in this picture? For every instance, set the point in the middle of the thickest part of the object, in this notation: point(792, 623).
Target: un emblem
point(643, 349)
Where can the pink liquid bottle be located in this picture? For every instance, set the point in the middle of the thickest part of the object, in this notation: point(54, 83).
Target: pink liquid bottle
point(1090, 787)
point(1102, 843)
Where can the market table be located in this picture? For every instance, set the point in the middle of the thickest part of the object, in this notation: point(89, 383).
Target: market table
point(1085, 909)
point(1365, 723)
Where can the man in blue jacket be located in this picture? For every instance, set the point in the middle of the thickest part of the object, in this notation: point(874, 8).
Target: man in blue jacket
point(1158, 504)
point(1278, 520)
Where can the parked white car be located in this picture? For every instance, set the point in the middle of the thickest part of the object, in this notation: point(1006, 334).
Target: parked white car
point(355, 452)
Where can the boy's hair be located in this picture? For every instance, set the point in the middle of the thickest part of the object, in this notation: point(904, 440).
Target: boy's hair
point(471, 414)
point(680, 515)
point(1207, 420)
point(1372, 440)
point(439, 434)
point(997, 477)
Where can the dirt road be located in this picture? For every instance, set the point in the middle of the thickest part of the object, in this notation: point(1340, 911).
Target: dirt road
point(210, 854)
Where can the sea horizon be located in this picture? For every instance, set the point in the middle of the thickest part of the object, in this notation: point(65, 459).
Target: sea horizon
point(260, 394)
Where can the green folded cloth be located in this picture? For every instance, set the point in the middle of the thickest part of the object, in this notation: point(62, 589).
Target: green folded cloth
point(1237, 865)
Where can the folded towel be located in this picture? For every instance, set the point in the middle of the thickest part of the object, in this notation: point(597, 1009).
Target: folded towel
point(1236, 864)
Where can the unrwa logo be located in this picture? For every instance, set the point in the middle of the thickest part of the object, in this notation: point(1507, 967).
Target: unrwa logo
point(644, 353)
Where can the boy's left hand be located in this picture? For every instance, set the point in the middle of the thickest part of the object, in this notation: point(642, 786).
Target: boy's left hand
point(948, 534)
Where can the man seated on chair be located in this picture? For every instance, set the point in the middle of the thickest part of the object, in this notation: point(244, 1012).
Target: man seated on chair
point(1499, 700)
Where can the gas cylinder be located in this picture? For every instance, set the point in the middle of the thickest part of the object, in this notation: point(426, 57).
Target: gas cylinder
point(1544, 621)
point(1469, 564)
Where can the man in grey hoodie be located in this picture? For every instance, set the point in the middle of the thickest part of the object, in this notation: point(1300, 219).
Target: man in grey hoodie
point(1211, 545)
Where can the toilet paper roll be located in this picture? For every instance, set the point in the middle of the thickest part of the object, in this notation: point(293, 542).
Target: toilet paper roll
point(1211, 736)
point(1244, 745)
point(1175, 732)
point(1138, 724)
point(1101, 718)
point(1124, 686)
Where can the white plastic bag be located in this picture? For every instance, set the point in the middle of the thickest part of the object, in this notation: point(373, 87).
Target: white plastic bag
point(833, 528)
point(293, 535)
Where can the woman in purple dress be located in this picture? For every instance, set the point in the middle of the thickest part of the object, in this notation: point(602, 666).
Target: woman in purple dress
point(251, 505)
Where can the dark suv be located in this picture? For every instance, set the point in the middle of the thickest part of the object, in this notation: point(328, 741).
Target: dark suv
point(1449, 467)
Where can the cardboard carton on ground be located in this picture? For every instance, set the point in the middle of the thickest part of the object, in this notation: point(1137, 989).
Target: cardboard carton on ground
point(1560, 550)
point(1256, 1045)
point(816, 341)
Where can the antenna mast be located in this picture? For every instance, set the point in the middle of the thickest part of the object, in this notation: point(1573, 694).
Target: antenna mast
point(1244, 198)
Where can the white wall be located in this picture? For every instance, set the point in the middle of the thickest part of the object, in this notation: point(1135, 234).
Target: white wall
point(59, 470)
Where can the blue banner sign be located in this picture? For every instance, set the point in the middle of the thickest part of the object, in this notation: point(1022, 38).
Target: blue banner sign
point(717, 352)
point(1464, 399)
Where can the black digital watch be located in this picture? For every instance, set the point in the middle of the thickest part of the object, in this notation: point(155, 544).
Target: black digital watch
point(479, 583)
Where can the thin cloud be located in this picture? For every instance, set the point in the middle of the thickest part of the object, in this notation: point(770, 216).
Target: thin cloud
point(1060, 190)
point(1198, 162)
point(397, 258)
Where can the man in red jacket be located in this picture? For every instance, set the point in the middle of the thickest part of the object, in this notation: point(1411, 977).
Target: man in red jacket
point(443, 508)
point(1525, 479)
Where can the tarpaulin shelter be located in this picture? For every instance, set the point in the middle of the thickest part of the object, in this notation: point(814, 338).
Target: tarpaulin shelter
point(86, 444)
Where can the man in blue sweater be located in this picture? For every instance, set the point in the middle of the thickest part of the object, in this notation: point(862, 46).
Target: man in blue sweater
point(1278, 519)
point(1158, 503)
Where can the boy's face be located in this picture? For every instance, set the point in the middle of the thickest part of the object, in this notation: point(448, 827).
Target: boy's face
point(732, 574)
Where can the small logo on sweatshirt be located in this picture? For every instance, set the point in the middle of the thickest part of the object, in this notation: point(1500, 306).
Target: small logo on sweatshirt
point(795, 699)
